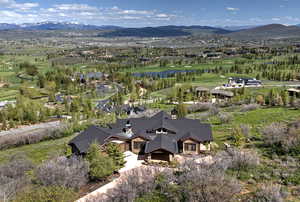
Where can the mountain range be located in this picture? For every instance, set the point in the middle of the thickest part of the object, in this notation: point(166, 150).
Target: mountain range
point(236, 32)
point(55, 26)
point(272, 31)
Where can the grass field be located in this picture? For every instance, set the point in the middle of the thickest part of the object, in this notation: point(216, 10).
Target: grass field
point(8, 94)
point(38, 152)
point(208, 65)
point(256, 119)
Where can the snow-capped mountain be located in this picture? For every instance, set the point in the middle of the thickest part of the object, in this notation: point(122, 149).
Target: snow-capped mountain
point(54, 26)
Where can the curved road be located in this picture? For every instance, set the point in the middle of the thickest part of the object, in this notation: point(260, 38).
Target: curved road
point(36, 127)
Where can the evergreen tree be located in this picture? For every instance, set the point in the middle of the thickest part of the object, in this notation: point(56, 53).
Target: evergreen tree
point(100, 165)
point(181, 110)
point(285, 97)
point(114, 152)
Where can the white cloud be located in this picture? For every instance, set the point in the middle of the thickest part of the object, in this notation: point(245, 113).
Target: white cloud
point(11, 14)
point(232, 9)
point(162, 15)
point(19, 6)
point(276, 19)
point(83, 13)
point(6, 2)
point(25, 6)
point(75, 7)
point(135, 12)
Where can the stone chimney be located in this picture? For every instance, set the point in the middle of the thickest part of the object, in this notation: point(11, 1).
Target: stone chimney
point(174, 114)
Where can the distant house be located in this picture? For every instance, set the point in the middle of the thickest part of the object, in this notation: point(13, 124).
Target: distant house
point(92, 76)
point(132, 110)
point(104, 88)
point(294, 91)
point(213, 55)
point(202, 93)
point(220, 95)
point(242, 82)
point(5, 103)
point(157, 138)
point(105, 106)
point(59, 98)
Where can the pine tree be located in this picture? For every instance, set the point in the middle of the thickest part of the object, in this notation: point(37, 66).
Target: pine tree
point(114, 152)
point(100, 165)
point(181, 110)
point(285, 97)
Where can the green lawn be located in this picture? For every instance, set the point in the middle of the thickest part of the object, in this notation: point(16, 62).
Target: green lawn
point(8, 94)
point(256, 119)
point(38, 152)
point(209, 65)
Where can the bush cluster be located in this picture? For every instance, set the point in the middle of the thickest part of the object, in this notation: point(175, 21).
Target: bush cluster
point(67, 172)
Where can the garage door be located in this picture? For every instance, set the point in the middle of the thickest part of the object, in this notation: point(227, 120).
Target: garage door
point(161, 157)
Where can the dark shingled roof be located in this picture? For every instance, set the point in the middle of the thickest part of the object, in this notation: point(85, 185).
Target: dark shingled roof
point(177, 129)
point(162, 142)
point(222, 92)
point(161, 115)
point(89, 136)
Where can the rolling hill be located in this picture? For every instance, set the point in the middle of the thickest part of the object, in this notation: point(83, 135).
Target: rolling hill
point(272, 31)
point(165, 31)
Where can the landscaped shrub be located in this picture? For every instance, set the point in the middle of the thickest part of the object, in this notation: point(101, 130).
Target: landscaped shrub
point(47, 193)
point(245, 130)
point(9, 141)
point(213, 110)
point(13, 176)
point(68, 172)
point(238, 160)
point(153, 197)
point(269, 192)
point(137, 183)
point(191, 182)
point(281, 138)
point(17, 166)
point(249, 107)
point(200, 107)
point(293, 178)
point(273, 133)
point(101, 165)
point(243, 159)
point(237, 137)
point(225, 117)
point(202, 182)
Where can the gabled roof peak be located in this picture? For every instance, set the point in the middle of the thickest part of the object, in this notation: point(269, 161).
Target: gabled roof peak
point(161, 115)
point(161, 142)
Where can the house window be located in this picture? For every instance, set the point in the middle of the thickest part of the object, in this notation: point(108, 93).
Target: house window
point(138, 145)
point(189, 147)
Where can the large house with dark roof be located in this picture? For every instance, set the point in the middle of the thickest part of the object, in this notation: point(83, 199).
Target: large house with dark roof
point(156, 138)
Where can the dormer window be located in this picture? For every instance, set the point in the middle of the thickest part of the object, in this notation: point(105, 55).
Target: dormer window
point(161, 131)
point(128, 124)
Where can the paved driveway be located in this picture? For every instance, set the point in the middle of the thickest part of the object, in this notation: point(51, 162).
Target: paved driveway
point(132, 162)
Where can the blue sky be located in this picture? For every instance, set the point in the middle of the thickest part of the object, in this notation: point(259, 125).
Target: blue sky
point(137, 13)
